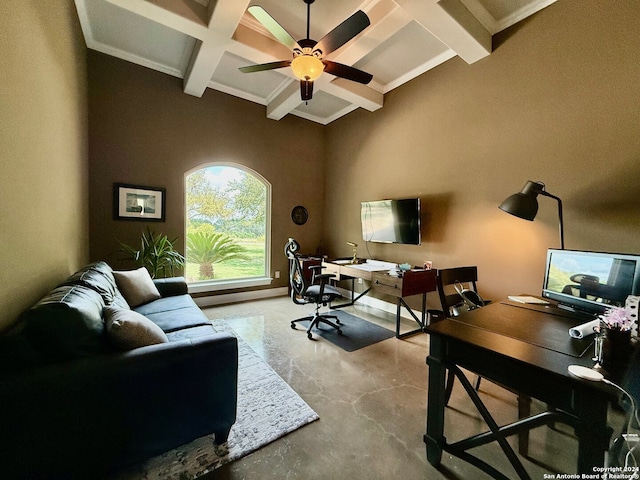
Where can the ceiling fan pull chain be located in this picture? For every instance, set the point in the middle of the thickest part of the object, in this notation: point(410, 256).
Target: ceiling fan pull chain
point(308, 17)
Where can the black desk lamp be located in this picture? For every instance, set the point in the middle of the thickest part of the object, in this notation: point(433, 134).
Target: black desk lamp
point(525, 204)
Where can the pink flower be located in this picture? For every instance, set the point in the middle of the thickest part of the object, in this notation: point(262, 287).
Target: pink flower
point(617, 318)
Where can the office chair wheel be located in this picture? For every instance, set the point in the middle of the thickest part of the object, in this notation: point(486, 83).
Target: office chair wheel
point(293, 325)
point(309, 336)
point(339, 332)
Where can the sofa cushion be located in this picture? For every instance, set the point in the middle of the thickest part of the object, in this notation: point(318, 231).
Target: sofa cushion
point(171, 286)
point(128, 329)
point(67, 323)
point(99, 277)
point(193, 332)
point(136, 286)
point(174, 313)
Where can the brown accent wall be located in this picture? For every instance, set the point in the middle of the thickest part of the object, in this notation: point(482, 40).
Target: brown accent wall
point(43, 151)
point(557, 101)
point(145, 131)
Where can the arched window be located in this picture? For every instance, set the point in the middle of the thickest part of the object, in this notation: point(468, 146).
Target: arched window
point(227, 227)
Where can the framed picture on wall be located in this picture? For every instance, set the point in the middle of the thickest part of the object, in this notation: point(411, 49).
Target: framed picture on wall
point(135, 202)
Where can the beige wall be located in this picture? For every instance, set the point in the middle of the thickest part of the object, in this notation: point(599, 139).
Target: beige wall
point(557, 101)
point(145, 131)
point(43, 151)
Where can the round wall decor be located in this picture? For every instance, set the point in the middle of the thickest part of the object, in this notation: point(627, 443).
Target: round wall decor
point(299, 215)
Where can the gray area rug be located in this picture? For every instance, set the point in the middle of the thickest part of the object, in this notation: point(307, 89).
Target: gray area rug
point(356, 332)
point(268, 409)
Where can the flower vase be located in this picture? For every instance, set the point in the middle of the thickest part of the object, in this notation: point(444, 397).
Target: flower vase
point(616, 347)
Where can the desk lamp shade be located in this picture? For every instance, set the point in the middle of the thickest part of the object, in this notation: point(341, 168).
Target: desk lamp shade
point(524, 204)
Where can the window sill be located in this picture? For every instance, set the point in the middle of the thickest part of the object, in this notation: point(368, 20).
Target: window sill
point(214, 286)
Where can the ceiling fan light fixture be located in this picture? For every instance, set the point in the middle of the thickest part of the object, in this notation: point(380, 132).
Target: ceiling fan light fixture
point(307, 64)
point(306, 90)
point(307, 67)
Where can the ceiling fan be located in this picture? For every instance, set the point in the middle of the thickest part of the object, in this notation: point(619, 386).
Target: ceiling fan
point(308, 63)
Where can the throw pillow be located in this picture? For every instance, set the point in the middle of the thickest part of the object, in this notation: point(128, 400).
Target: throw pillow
point(67, 323)
point(136, 286)
point(128, 329)
point(96, 276)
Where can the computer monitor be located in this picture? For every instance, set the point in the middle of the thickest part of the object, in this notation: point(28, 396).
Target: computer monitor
point(590, 281)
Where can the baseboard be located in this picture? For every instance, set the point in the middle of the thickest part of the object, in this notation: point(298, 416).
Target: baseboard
point(212, 300)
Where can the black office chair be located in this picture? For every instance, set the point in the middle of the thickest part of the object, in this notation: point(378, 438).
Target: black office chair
point(308, 285)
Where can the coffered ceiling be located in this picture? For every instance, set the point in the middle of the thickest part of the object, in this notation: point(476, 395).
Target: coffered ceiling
point(204, 42)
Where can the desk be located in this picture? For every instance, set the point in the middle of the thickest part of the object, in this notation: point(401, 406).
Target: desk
point(413, 282)
point(516, 354)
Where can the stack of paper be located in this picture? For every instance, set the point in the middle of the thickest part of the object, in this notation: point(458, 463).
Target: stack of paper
point(528, 299)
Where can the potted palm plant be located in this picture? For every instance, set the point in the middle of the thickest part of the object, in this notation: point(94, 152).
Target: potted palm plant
point(156, 253)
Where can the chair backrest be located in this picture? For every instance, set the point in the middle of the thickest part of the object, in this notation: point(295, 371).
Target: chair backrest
point(291, 248)
point(300, 276)
point(447, 278)
point(296, 278)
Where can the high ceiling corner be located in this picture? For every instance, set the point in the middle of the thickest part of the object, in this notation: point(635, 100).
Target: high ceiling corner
point(205, 42)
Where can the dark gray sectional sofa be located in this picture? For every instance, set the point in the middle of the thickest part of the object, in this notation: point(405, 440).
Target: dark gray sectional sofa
point(74, 404)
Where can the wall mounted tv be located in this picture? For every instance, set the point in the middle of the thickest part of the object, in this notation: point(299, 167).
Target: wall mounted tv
point(391, 221)
point(590, 281)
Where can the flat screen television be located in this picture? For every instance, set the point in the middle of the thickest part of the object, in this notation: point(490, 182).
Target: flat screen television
point(391, 221)
point(590, 281)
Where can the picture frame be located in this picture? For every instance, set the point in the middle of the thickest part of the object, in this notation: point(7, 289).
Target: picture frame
point(137, 202)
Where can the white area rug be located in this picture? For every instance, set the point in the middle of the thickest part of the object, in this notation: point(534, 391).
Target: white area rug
point(268, 409)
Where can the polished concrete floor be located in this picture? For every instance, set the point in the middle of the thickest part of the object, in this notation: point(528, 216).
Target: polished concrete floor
point(372, 406)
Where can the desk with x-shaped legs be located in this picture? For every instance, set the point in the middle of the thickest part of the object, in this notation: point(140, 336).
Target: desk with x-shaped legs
point(528, 351)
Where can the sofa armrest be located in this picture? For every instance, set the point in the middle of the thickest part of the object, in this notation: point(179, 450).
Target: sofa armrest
point(91, 415)
point(169, 287)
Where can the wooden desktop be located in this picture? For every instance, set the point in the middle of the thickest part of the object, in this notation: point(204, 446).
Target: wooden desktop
point(527, 349)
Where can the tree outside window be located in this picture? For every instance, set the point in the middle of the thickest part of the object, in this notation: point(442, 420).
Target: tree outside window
point(226, 231)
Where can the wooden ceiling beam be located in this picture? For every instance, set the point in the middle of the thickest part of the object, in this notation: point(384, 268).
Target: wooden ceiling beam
point(453, 24)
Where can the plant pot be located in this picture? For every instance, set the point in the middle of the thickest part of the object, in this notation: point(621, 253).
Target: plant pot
point(616, 347)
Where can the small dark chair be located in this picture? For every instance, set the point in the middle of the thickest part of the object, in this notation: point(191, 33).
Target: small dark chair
point(447, 278)
point(310, 286)
point(450, 300)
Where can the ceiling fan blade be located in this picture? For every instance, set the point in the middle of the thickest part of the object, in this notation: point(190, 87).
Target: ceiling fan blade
point(344, 32)
point(265, 66)
point(273, 26)
point(345, 71)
